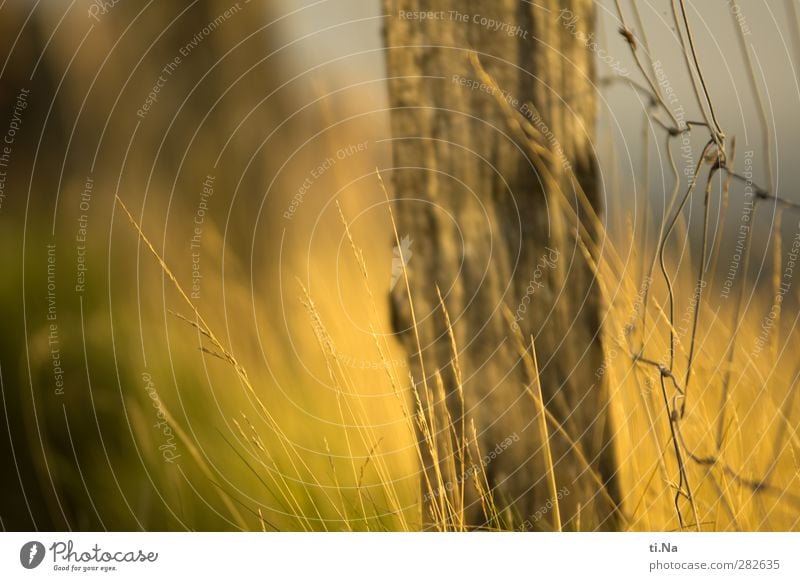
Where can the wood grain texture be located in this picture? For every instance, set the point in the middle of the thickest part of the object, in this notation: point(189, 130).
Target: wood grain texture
point(486, 230)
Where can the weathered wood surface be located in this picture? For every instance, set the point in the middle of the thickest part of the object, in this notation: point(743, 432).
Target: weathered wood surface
point(485, 229)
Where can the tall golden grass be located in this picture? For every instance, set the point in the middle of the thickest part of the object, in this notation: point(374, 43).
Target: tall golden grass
point(705, 424)
point(740, 475)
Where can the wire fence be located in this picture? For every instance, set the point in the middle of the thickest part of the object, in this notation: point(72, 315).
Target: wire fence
point(714, 173)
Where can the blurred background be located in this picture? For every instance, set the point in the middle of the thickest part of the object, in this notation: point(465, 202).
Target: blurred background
point(242, 136)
